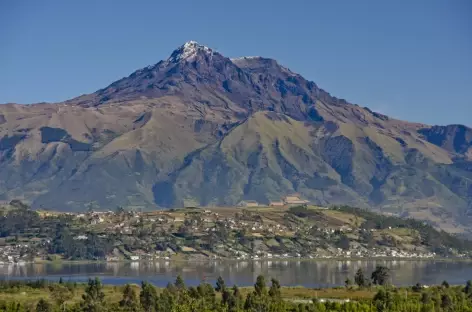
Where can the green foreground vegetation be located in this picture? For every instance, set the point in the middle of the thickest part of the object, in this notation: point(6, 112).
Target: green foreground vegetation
point(219, 233)
point(360, 294)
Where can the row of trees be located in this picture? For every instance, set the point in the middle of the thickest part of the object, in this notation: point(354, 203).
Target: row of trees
point(380, 276)
point(205, 297)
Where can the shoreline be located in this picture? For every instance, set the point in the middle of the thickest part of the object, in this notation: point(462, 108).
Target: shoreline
point(180, 260)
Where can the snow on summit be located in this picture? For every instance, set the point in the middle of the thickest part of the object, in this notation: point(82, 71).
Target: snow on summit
point(188, 51)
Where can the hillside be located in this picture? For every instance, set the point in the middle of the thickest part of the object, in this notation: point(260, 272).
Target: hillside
point(226, 233)
point(204, 128)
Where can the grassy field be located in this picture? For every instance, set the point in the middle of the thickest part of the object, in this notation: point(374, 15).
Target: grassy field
point(113, 294)
point(332, 293)
point(30, 295)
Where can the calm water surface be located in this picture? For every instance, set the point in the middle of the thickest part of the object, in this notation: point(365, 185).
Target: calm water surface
point(324, 273)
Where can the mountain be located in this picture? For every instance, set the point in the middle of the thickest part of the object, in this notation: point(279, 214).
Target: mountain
point(202, 128)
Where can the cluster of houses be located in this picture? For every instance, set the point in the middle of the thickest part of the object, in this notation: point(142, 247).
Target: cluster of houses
point(14, 254)
point(380, 253)
point(287, 201)
point(200, 222)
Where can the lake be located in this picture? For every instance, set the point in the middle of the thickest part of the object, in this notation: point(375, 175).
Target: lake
point(319, 273)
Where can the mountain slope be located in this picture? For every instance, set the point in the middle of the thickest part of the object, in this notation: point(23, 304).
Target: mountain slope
point(211, 130)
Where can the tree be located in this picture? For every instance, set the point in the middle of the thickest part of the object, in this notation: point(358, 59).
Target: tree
point(227, 297)
point(43, 306)
point(260, 288)
point(179, 283)
point(343, 242)
point(222, 232)
point(166, 299)
point(274, 291)
point(171, 289)
point(359, 278)
point(425, 298)
point(383, 300)
point(207, 293)
point(93, 299)
point(148, 297)
point(348, 283)
point(380, 295)
point(468, 288)
point(60, 295)
point(237, 292)
point(249, 303)
point(446, 302)
point(193, 292)
point(445, 284)
point(220, 285)
point(129, 302)
point(381, 275)
point(238, 299)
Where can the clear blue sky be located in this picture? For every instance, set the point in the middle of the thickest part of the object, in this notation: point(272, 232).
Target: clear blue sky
point(411, 59)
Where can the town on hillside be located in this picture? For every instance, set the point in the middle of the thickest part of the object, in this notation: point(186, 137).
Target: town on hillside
point(240, 233)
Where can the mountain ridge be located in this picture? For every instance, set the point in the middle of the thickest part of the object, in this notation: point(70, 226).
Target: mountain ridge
point(201, 127)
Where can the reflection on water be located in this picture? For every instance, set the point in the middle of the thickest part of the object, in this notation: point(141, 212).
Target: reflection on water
point(290, 273)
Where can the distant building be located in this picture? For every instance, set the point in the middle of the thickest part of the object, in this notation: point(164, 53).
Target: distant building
point(294, 200)
point(190, 203)
point(276, 204)
point(248, 203)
